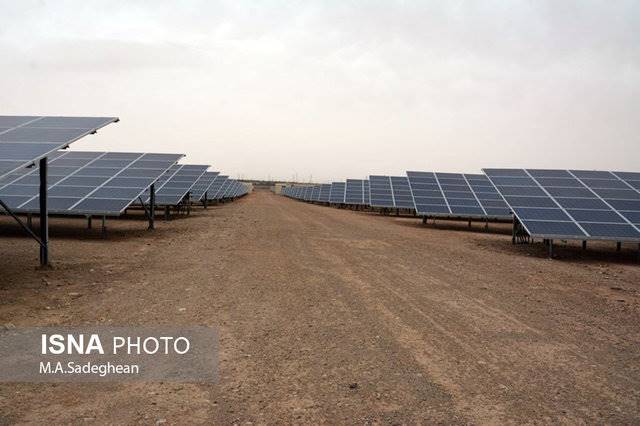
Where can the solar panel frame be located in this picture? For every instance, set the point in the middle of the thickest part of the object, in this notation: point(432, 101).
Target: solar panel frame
point(216, 186)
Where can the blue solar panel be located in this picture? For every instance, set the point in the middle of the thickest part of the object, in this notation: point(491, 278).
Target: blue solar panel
point(25, 139)
point(107, 190)
point(354, 192)
point(203, 185)
point(366, 193)
point(337, 192)
point(456, 195)
point(571, 204)
point(402, 198)
point(176, 183)
point(380, 192)
point(325, 192)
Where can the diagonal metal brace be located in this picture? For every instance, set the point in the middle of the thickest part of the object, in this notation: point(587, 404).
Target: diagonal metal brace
point(21, 223)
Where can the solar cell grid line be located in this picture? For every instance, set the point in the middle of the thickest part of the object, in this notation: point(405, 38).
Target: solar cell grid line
point(27, 139)
point(203, 185)
point(354, 192)
point(307, 193)
point(380, 191)
point(401, 192)
point(337, 192)
point(428, 197)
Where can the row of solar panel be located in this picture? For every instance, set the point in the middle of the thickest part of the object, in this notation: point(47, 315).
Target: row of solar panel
point(560, 204)
point(100, 183)
point(427, 193)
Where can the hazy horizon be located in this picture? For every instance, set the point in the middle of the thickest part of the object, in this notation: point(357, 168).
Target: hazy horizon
point(334, 90)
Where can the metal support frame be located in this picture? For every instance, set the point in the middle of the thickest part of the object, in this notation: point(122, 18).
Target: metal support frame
point(104, 226)
point(518, 234)
point(584, 244)
point(188, 203)
point(550, 246)
point(24, 227)
point(44, 215)
point(89, 224)
point(618, 246)
point(152, 207)
point(204, 200)
point(167, 213)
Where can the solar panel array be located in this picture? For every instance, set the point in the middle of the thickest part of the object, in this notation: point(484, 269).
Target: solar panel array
point(203, 185)
point(336, 195)
point(25, 139)
point(457, 195)
point(81, 183)
point(572, 204)
point(401, 191)
point(175, 184)
point(381, 194)
point(354, 192)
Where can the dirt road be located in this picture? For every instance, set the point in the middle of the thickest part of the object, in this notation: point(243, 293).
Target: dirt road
point(334, 316)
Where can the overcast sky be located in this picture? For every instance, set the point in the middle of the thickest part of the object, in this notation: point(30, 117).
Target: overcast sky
point(336, 89)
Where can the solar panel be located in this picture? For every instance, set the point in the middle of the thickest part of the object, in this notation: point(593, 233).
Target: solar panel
point(25, 139)
point(325, 192)
point(337, 192)
point(228, 191)
point(82, 183)
point(316, 193)
point(571, 204)
point(366, 194)
point(174, 185)
point(215, 187)
point(380, 192)
point(401, 191)
point(456, 195)
point(354, 192)
point(203, 185)
point(307, 193)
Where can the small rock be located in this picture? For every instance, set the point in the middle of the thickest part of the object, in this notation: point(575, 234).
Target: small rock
point(353, 386)
point(182, 309)
point(75, 294)
point(9, 326)
point(161, 421)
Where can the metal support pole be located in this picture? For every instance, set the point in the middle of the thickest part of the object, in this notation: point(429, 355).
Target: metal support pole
point(424, 220)
point(550, 243)
point(513, 230)
point(167, 213)
point(469, 223)
point(188, 203)
point(618, 246)
point(206, 195)
point(44, 215)
point(89, 222)
point(584, 245)
point(152, 206)
point(30, 220)
point(104, 226)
